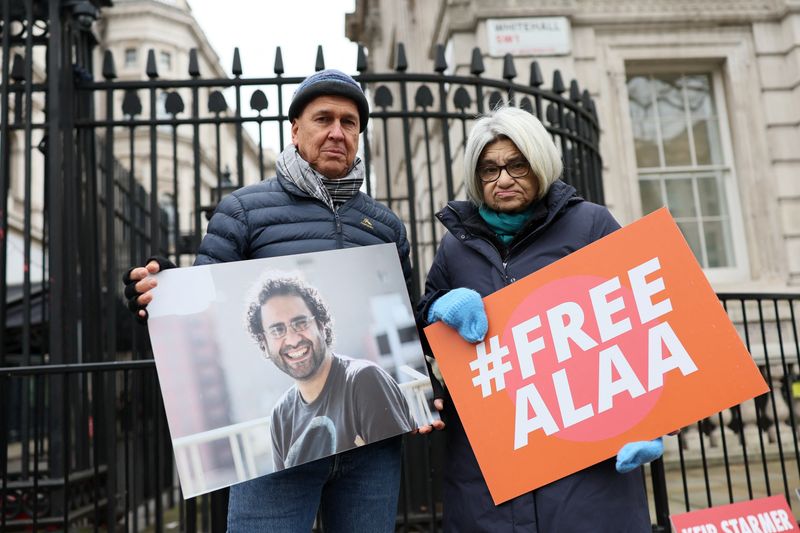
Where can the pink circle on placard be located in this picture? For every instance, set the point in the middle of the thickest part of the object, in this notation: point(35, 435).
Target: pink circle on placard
point(583, 367)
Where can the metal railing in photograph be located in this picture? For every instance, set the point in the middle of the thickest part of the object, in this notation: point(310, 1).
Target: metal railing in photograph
point(188, 452)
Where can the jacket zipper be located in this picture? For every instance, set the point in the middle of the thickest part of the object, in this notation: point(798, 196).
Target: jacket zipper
point(338, 222)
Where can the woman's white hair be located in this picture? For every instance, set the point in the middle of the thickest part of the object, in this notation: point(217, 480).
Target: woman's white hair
point(530, 137)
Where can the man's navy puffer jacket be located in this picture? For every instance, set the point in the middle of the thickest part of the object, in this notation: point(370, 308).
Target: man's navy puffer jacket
point(275, 217)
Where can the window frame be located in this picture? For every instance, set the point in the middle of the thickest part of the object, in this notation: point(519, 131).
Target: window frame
point(135, 61)
point(165, 60)
point(726, 169)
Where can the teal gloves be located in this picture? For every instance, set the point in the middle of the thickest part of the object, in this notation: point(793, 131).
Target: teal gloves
point(635, 454)
point(461, 309)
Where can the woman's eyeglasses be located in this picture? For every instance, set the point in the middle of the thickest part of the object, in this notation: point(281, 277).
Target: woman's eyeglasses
point(518, 168)
point(298, 324)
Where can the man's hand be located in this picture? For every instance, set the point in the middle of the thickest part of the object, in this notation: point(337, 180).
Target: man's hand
point(436, 424)
point(140, 281)
point(461, 309)
point(635, 454)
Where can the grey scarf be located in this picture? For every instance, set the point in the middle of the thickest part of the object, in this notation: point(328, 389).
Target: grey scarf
point(332, 193)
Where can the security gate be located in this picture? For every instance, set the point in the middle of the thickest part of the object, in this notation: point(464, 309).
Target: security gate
point(96, 174)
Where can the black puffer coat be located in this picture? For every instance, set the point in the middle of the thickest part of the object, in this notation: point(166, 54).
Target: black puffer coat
point(597, 499)
point(274, 218)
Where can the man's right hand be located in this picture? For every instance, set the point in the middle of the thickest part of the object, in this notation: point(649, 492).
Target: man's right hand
point(140, 281)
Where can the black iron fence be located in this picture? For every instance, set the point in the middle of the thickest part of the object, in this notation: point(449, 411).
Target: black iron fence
point(103, 464)
point(751, 450)
point(411, 151)
point(109, 466)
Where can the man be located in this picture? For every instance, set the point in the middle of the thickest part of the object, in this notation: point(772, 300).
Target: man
point(313, 204)
point(336, 403)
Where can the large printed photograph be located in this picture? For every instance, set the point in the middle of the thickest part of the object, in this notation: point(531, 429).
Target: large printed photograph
point(272, 363)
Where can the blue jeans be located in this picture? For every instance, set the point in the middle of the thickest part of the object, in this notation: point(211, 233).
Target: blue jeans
point(354, 491)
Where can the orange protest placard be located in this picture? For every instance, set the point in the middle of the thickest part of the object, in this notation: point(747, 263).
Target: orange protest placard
point(623, 340)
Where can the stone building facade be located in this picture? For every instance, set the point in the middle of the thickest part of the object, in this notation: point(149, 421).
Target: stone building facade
point(699, 105)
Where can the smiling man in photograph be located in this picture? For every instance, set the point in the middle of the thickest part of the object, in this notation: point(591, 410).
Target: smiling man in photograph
point(336, 403)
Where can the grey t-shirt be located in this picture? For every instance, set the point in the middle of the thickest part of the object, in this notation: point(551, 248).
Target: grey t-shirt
point(359, 404)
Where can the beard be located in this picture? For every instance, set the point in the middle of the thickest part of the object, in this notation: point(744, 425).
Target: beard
point(301, 360)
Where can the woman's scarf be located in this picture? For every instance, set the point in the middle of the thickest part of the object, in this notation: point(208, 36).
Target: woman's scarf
point(505, 225)
point(332, 193)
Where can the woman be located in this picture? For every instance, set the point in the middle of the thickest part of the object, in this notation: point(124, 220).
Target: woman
point(519, 218)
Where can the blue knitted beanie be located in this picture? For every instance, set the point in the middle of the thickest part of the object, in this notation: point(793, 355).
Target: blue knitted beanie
point(329, 82)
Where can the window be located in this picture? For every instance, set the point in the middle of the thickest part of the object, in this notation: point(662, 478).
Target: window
point(165, 59)
point(130, 57)
point(161, 111)
point(682, 164)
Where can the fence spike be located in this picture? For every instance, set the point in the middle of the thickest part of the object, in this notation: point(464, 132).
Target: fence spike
point(173, 103)
point(424, 97)
point(439, 63)
point(574, 91)
point(18, 68)
point(258, 101)
point(361, 59)
point(461, 99)
point(194, 65)
point(558, 83)
point(217, 103)
point(586, 99)
point(476, 65)
point(278, 68)
point(592, 108)
point(536, 75)
point(109, 70)
point(509, 71)
point(320, 63)
point(237, 63)
point(131, 104)
point(569, 120)
point(152, 68)
point(526, 104)
point(495, 100)
point(401, 63)
point(552, 114)
point(383, 97)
